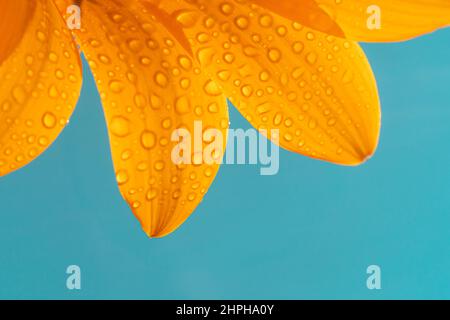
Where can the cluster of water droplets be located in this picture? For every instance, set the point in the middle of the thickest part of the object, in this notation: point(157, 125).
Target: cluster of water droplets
point(280, 74)
point(41, 80)
point(150, 86)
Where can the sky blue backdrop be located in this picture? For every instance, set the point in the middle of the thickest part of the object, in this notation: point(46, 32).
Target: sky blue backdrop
point(308, 232)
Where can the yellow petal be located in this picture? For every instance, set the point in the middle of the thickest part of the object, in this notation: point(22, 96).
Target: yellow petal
point(317, 90)
point(373, 21)
point(150, 88)
point(40, 84)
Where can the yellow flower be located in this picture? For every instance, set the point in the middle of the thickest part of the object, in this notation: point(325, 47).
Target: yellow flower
point(163, 64)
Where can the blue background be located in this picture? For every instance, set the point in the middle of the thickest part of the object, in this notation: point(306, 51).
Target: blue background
point(308, 232)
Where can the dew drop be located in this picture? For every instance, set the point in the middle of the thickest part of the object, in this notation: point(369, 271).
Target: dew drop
point(116, 86)
point(161, 79)
point(274, 55)
point(120, 126)
point(182, 105)
point(49, 120)
point(122, 177)
point(151, 194)
point(211, 88)
point(159, 165)
point(148, 139)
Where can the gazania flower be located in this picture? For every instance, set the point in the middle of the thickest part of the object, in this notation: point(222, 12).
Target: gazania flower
point(161, 65)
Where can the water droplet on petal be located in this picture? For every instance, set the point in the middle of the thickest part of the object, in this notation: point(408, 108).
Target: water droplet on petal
point(120, 126)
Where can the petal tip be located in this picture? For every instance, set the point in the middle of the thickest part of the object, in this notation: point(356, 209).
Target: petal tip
point(365, 157)
point(155, 231)
point(156, 234)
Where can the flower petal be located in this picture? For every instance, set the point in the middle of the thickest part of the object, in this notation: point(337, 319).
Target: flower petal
point(14, 18)
point(150, 88)
point(41, 81)
point(398, 19)
point(372, 21)
point(319, 91)
point(306, 12)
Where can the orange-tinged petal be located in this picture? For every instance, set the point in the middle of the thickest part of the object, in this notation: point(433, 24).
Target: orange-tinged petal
point(306, 12)
point(150, 87)
point(318, 90)
point(381, 20)
point(14, 18)
point(41, 81)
